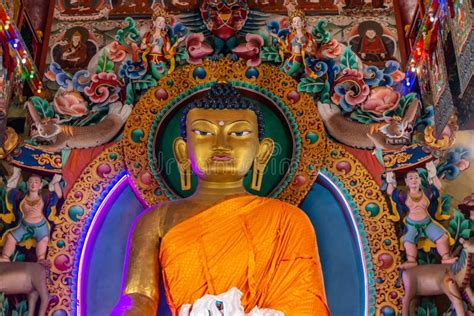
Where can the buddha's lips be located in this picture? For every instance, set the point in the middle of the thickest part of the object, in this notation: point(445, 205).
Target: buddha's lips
point(221, 158)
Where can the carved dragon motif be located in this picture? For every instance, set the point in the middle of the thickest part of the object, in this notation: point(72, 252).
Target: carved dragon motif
point(392, 135)
point(61, 136)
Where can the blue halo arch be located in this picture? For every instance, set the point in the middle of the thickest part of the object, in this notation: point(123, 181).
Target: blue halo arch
point(339, 243)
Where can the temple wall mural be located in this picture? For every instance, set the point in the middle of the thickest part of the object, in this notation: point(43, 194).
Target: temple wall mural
point(233, 157)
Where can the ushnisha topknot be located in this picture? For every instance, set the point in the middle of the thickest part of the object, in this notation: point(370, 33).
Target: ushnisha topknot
point(223, 96)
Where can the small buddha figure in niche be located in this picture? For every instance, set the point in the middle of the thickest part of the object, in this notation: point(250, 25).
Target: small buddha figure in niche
point(222, 238)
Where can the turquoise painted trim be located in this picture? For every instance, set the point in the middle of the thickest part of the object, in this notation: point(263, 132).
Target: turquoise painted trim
point(241, 84)
point(363, 236)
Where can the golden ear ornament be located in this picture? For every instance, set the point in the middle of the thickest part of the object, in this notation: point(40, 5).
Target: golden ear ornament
point(185, 175)
point(257, 175)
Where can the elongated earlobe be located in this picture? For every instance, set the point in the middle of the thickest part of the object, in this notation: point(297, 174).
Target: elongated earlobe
point(264, 154)
point(184, 165)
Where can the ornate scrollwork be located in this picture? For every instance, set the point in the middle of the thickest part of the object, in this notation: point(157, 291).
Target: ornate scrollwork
point(391, 160)
point(75, 217)
point(377, 232)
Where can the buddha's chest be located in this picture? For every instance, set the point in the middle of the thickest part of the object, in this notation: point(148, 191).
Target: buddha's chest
point(179, 213)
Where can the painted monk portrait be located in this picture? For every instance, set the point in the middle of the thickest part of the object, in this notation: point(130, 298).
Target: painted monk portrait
point(222, 238)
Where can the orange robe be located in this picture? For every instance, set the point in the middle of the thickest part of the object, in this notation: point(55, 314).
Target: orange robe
point(264, 247)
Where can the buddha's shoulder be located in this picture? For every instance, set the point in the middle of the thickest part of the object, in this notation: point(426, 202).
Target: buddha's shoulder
point(158, 215)
point(287, 209)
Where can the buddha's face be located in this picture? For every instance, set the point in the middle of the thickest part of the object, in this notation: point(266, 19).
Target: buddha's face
point(222, 144)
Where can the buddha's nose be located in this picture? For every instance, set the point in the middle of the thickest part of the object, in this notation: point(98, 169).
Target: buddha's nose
point(221, 143)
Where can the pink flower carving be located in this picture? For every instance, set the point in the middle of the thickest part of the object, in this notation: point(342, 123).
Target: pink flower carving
point(462, 164)
point(332, 49)
point(103, 85)
point(118, 52)
point(250, 51)
point(381, 100)
point(397, 76)
point(351, 89)
point(69, 103)
point(355, 98)
point(197, 48)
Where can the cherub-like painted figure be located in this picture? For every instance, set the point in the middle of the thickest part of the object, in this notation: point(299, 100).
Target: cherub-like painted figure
point(420, 206)
point(158, 50)
point(32, 211)
point(294, 47)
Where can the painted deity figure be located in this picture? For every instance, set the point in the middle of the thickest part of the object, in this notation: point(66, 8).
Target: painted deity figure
point(420, 206)
point(32, 209)
point(297, 44)
point(157, 49)
point(75, 52)
point(222, 240)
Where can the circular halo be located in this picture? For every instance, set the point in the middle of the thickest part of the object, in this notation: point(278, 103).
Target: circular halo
point(152, 125)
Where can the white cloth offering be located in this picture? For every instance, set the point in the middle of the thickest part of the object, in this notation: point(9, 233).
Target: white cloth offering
point(225, 304)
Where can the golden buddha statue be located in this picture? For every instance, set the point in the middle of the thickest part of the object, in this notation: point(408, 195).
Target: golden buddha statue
point(222, 237)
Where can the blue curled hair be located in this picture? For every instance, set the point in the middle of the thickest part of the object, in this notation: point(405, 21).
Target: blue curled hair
point(223, 96)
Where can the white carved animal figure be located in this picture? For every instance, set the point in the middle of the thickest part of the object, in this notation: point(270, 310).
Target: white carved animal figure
point(25, 278)
point(453, 280)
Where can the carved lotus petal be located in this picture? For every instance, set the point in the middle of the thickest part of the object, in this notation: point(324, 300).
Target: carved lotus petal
point(197, 49)
point(381, 100)
point(116, 53)
point(70, 103)
point(250, 51)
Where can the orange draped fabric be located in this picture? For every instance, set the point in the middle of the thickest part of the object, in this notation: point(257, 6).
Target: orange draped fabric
point(78, 159)
point(264, 247)
point(370, 162)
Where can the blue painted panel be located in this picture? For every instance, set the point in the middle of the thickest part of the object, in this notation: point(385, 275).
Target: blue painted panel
point(338, 250)
point(107, 256)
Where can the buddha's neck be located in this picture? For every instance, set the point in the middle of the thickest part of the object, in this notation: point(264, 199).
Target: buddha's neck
point(212, 191)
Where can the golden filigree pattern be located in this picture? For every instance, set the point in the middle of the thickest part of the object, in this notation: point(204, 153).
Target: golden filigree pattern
point(391, 160)
point(447, 137)
point(301, 106)
point(380, 231)
point(49, 159)
point(75, 213)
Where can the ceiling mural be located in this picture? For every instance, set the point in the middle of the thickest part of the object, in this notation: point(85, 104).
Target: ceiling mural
point(373, 37)
point(96, 9)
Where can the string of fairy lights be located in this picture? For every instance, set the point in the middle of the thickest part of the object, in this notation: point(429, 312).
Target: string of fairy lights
point(18, 48)
point(429, 21)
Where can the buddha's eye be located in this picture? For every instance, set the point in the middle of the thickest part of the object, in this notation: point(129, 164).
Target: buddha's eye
point(201, 133)
point(239, 133)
